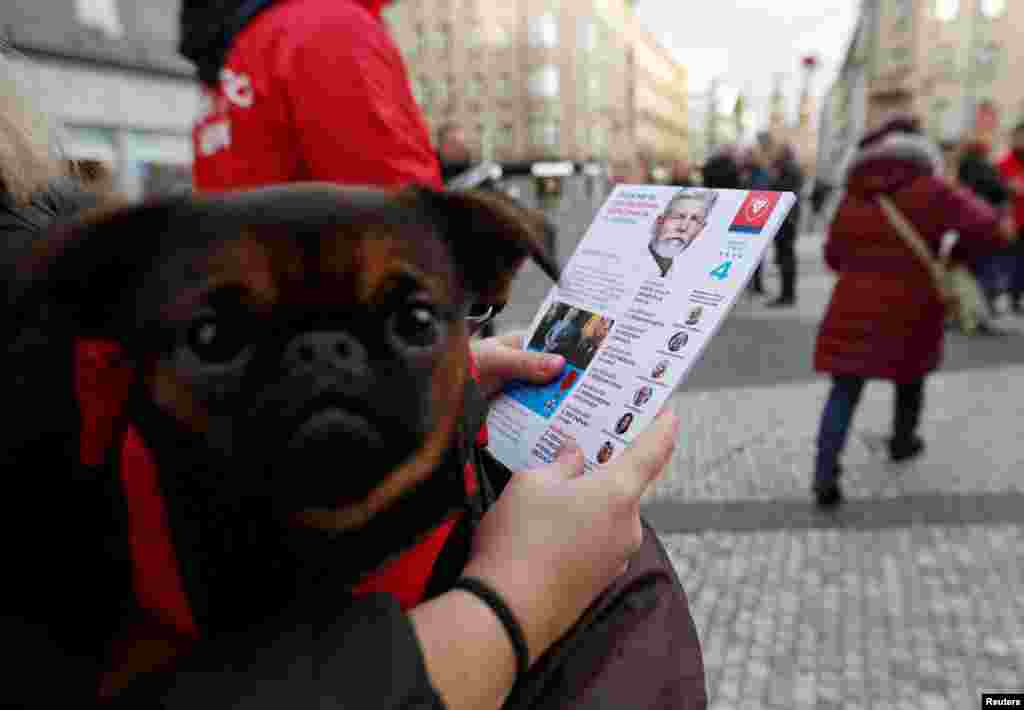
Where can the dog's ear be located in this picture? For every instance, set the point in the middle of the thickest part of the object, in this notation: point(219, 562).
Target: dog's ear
point(81, 272)
point(491, 236)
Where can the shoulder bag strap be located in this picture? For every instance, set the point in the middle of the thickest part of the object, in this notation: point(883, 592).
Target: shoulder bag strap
point(913, 239)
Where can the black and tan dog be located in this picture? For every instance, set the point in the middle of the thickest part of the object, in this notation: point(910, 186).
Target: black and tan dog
point(272, 385)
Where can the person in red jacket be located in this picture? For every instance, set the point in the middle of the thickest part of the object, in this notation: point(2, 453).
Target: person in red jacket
point(303, 90)
point(1012, 168)
point(885, 319)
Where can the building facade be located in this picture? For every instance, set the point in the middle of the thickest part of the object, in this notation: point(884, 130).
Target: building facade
point(950, 61)
point(108, 73)
point(544, 79)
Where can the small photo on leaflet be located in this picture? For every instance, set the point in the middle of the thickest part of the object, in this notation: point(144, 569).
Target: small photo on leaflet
point(659, 370)
point(572, 332)
point(624, 423)
point(678, 341)
point(643, 396)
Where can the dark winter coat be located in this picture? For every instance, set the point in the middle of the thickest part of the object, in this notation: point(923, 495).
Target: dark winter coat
point(789, 178)
point(885, 319)
point(983, 178)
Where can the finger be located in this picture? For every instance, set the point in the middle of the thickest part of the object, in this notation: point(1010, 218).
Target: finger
point(571, 456)
point(644, 461)
point(568, 461)
point(503, 364)
point(513, 339)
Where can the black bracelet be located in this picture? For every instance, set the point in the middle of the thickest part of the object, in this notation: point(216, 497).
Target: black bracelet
point(515, 632)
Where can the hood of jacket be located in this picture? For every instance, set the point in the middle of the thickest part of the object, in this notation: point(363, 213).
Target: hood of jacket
point(208, 27)
point(890, 163)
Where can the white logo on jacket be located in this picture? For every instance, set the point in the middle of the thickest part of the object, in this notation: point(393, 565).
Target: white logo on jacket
point(237, 88)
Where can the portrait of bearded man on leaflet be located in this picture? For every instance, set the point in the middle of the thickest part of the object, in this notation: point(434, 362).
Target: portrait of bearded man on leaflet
point(679, 225)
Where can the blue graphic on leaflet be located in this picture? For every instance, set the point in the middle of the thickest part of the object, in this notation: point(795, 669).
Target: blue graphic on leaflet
point(545, 400)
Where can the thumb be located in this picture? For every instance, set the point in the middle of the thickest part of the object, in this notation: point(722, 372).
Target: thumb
point(644, 461)
point(504, 364)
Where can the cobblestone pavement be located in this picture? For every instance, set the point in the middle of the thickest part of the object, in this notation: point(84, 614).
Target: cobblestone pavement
point(918, 617)
point(912, 594)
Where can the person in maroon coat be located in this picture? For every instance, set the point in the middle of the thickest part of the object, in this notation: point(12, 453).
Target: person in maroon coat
point(885, 319)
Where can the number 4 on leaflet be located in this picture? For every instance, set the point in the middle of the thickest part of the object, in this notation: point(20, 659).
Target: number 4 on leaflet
point(722, 270)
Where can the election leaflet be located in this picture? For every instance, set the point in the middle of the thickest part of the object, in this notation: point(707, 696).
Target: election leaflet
point(647, 288)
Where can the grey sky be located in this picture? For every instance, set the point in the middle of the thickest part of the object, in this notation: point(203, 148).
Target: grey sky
point(745, 42)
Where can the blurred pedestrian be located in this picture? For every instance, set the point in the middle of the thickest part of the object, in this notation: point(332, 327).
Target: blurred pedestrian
point(787, 177)
point(757, 169)
point(976, 172)
point(682, 173)
point(1012, 169)
point(721, 171)
point(885, 318)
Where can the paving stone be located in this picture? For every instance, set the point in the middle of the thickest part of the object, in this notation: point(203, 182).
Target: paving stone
point(892, 653)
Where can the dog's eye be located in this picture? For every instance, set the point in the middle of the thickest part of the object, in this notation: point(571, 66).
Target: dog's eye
point(214, 341)
point(417, 324)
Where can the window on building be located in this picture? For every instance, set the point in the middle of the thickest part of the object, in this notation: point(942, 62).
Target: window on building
point(474, 87)
point(945, 60)
point(502, 37)
point(544, 132)
point(947, 10)
point(441, 38)
point(423, 90)
point(988, 59)
point(441, 92)
point(903, 14)
point(598, 140)
point(543, 31)
point(101, 15)
point(992, 9)
point(544, 81)
point(900, 54)
point(586, 35)
point(503, 87)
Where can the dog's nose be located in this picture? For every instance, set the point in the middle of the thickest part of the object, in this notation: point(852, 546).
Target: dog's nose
point(334, 349)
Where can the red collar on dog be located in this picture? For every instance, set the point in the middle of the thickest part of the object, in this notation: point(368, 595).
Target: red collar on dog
point(102, 386)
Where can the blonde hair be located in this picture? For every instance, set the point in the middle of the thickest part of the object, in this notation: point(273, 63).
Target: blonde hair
point(28, 159)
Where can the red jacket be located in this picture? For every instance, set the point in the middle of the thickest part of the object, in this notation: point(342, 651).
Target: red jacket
point(1012, 170)
point(885, 319)
point(313, 90)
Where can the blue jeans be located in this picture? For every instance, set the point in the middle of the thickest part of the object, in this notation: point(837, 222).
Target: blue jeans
point(838, 415)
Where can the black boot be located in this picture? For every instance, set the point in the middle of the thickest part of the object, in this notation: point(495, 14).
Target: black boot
point(830, 495)
point(905, 449)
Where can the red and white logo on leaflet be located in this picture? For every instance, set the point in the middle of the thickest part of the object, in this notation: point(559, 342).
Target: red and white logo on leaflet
point(755, 211)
